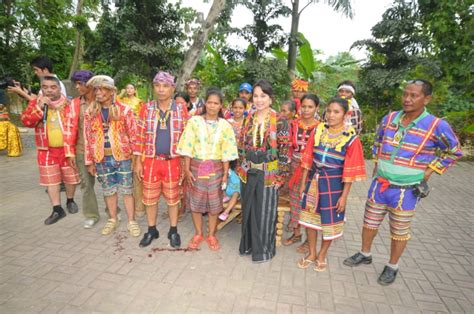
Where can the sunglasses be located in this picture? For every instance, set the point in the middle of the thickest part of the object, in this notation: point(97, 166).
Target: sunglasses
point(416, 82)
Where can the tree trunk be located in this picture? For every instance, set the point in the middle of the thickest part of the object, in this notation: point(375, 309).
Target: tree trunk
point(78, 49)
point(295, 17)
point(200, 39)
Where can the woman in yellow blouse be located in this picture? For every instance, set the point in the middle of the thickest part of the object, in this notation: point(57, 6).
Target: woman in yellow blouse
point(130, 99)
point(207, 144)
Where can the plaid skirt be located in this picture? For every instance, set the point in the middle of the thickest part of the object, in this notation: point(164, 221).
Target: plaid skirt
point(205, 196)
point(319, 203)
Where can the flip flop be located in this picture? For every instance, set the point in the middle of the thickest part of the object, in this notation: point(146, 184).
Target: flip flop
point(195, 242)
point(303, 248)
point(224, 216)
point(213, 243)
point(320, 266)
point(293, 239)
point(304, 263)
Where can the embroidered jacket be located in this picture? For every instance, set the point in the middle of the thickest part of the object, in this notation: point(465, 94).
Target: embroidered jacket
point(32, 117)
point(122, 135)
point(417, 147)
point(276, 143)
point(72, 127)
point(147, 125)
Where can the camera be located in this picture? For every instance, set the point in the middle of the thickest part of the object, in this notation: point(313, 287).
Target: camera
point(6, 82)
point(421, 189)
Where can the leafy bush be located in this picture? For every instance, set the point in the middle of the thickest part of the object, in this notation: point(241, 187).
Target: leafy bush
point(367, 140)
point(462, 124)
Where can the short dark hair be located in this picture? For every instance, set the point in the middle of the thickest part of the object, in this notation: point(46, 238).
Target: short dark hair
point(265, 86)
point(216, 92)
point(233, 164)
point(238, 99)
point(312, 97)
point(51, 78)
point(42, 62)
point(347, 82)
point(183, 95)
point(341, 101)
point(291, 104)
point(426, 86)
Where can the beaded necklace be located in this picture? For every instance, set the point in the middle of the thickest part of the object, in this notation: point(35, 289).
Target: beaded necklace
point(333, 138)
point(163, 120)
point(258, 130)
point(105, 122)
point(305, 128)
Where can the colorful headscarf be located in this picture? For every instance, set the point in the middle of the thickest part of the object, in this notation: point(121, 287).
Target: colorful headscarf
point(102, 81)
point(299, 85)
point(347, 87)
point(164, 77)
point(193, 81)
point(82, 76)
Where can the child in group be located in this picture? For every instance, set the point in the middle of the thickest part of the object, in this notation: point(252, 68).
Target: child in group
point(238, 107)
point(288, 110)
point(183, 99)
point(288, 113)
point(346, 89)
point(232, 191)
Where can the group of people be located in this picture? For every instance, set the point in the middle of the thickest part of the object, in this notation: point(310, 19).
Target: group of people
point(198, 155)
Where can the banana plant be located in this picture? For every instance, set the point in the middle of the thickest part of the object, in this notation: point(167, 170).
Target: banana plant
point(306, 63)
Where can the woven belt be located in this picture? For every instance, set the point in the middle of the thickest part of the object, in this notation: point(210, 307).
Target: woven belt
point(260, 166)
point(163, 157)
point(108, 151)
point(394, 186)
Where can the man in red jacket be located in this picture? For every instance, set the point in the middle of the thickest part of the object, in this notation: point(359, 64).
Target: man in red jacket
point(48, 114)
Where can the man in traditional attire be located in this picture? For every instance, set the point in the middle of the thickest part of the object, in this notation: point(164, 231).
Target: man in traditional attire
point(48, 114)
point(406, 153)
point(160, 125)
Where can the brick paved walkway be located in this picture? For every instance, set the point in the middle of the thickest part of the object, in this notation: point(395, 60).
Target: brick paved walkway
point(65, 268)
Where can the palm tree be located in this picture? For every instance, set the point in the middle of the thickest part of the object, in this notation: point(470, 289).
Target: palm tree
point(343, 6)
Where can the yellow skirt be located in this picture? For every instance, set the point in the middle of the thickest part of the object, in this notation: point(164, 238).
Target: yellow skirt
point(10, 139)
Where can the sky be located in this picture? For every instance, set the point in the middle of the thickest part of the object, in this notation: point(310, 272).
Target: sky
point(325, 29)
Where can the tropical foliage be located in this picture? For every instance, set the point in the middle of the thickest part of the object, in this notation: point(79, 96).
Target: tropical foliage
point(132, 39)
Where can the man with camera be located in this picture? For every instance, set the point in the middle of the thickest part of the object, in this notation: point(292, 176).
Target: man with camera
point(16, 87)
point(406, 153)
point(42, 66)
point(48, 114)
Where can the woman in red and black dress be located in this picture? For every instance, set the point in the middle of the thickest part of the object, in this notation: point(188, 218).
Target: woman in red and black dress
point(300, 131)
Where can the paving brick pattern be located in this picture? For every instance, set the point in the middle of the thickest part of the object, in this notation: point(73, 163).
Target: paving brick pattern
point(64, 268)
